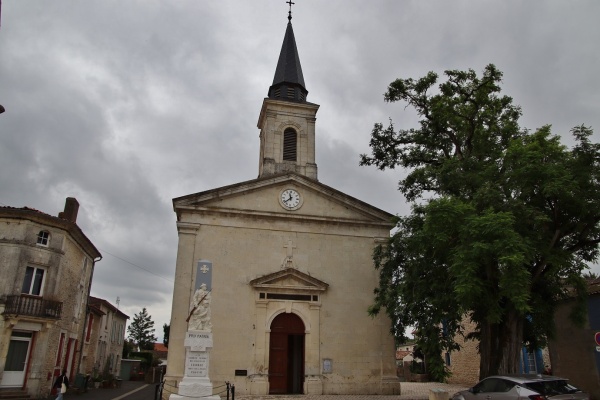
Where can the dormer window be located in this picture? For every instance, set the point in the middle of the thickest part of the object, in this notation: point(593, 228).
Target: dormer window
point(43, 238)
point(289, 145)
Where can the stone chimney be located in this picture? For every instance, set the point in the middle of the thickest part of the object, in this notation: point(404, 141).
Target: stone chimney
point(71, 210)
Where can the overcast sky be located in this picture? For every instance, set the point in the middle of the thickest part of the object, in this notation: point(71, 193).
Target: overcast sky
point(126, 105)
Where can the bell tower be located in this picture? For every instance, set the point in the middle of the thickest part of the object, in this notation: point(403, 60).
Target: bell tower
point(287, 120)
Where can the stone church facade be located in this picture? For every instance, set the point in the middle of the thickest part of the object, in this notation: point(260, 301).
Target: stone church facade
point(292, 269)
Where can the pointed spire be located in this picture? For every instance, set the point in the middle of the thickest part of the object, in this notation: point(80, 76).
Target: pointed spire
point(288, 83)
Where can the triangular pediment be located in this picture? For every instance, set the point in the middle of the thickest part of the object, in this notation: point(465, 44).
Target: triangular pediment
point(260, 198)
point(290, 280)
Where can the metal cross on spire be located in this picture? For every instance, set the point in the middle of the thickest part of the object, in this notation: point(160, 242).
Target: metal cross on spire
point(290, 12)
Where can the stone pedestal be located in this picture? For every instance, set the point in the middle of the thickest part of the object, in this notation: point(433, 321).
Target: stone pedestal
point(390, 385)
point(438, 394)
point(196, 382)
point(259, 385)
point(313, 385)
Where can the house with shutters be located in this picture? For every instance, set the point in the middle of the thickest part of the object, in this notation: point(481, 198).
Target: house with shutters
point(103, 339)
point(46, 264)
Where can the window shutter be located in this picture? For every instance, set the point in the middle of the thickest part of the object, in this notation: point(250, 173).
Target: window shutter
point(289, 145)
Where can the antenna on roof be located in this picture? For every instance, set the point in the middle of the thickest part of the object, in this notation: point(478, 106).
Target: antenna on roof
point(290, 12)
point(118, 301)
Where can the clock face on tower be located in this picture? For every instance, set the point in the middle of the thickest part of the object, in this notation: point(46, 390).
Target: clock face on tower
point(290, 199)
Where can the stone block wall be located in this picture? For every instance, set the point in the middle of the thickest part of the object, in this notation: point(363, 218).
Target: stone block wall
point(464, 364)
point(573, 351)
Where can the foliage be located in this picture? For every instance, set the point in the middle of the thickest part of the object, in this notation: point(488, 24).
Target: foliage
point(106, 375)
point(146, 357)
point(166, 331)
point(128, 347)
point(417, 367)
point(141, 330)
point(503, 220)
point(590, 276)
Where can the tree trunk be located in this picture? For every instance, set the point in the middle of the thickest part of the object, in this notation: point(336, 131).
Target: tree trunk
point(500, 346)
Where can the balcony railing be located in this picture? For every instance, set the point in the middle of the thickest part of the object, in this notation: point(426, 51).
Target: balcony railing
point(33, 306)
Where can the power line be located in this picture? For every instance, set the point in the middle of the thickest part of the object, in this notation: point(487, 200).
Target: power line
point(135, 265)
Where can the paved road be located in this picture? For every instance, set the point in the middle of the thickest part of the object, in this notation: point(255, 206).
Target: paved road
point(131, 390)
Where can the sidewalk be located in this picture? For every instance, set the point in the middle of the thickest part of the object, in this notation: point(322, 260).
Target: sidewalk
point(136, 390)
point(129, 390)
point(409, 391)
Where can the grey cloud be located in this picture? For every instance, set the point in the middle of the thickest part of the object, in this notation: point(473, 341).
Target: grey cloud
point(126, 105)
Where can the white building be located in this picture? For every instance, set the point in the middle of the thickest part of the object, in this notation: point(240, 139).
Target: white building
point(292, 268)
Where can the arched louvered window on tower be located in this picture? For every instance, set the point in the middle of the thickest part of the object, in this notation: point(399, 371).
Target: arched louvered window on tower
point(289, 144)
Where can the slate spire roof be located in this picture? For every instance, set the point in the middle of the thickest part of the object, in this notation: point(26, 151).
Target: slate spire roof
point(288, 83)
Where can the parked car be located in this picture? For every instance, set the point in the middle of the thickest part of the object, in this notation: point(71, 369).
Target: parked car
point(522, 387)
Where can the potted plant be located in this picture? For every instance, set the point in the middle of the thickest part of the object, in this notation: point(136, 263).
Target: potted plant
point(105, 380)
point(97, 380)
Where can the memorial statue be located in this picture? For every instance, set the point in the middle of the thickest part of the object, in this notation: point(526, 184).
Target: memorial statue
point(199, 319)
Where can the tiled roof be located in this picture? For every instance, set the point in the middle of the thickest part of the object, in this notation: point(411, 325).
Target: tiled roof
point(97, 302)
point(160, 347)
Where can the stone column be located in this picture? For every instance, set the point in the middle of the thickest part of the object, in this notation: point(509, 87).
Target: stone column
point(313, 383)
point(181, 300)
point(259, 382)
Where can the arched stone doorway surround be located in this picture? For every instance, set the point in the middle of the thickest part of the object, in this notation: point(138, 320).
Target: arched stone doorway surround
point(287, 291)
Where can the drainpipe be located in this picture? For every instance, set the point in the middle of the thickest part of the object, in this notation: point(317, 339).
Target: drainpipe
point(87, 311)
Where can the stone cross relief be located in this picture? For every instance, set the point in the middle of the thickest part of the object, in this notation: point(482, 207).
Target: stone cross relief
point(288, 262)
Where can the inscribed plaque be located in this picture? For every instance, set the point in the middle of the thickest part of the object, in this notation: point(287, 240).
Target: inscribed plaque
point(196, 364)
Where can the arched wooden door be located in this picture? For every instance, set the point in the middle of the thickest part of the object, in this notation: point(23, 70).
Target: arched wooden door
point(286, 355)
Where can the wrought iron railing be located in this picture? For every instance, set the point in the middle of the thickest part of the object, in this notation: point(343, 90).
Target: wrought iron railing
point(33, 306)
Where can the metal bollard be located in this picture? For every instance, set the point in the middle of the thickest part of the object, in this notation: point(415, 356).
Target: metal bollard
point(157, 391)
point(232, 392)
point(227, 390)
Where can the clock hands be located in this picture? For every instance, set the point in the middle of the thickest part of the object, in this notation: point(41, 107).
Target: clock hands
point(290, 198)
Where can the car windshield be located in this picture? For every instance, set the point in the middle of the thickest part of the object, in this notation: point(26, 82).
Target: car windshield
point(552, 388)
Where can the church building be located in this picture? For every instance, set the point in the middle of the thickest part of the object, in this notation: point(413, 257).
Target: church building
point(291, 266)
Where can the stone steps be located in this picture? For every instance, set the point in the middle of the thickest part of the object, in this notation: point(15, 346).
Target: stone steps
point(13, 394)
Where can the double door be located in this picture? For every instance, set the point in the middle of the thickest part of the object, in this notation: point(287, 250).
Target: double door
point(286, 355)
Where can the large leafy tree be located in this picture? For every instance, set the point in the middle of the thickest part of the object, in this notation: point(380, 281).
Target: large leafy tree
point(141, 330)
point(503, 220)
